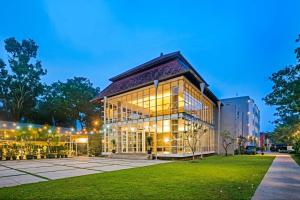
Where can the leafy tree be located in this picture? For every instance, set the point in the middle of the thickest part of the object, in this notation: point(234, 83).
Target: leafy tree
point(3, 90)
point(64, 103)
point(78, 92)
point(227, 140)
point(286, 97)
point(53, 108)
point(193, 136)
point(22, 85)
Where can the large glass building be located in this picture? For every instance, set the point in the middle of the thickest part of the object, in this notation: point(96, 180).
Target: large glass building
point(158, 100)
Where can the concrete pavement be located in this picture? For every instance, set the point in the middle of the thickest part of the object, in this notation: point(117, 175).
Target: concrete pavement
point(17, 172)
point(282, 181)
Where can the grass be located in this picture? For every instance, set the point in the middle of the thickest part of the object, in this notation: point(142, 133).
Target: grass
point(296, 157)
point(212, 178)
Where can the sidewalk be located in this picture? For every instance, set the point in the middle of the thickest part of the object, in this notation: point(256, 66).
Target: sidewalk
point(282, 181)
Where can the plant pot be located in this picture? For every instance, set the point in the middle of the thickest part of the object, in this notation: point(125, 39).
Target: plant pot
point(50, 156)
point(97, 154)
point(7, 158)
point(29, 157)
point(14, 157)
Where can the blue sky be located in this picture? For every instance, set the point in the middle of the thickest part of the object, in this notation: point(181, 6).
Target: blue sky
point(234, 45)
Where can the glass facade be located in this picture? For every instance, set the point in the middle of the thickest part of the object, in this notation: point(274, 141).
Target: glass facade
point(133, 116)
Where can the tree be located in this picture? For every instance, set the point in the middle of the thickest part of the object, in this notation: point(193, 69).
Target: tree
point(227, 140)
point(286, 97)
point(23, 84)
point(241, 143)
point(66, 102)
point(3, 90)
point(193, 136)
point(53, 107)
point(113, 143)
point(78, 92)
point(149, 144)
point(296, 141)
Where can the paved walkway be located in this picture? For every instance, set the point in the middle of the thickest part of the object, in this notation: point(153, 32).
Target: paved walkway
point(14, 173)
point(282, 181)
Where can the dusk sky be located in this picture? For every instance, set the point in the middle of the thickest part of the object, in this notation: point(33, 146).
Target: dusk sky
point(234, 45)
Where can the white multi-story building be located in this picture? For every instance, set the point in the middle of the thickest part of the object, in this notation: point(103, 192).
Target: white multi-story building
point(241, 117)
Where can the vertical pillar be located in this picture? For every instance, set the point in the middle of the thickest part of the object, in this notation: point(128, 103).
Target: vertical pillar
point(155, 135)
point(126, 141)
point(136, 141)
point(143, 141)
point(105, 147)
point(122, 139)
point(219, 124)
point(183, 136)
point(76, 149)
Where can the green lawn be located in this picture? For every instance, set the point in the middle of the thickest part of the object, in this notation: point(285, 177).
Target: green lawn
point(296, 157)
point(212, 178)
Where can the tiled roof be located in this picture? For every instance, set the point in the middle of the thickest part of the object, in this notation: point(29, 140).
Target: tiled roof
point(161, 68)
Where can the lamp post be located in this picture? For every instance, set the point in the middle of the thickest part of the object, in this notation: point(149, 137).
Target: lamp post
point(155, 135)
point(219, 124)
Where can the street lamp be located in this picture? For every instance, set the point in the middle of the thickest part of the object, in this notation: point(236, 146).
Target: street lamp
point(155, 136)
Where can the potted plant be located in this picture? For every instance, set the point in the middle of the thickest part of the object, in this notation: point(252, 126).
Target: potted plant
point(29, 156)
point(35, 151)
point(149, 144)
point(14, 154)
point(65, 151)
point(50, 155)
point(42, 154)
point(8, 154)
point(14, 151)
point(21, 153)
point(62, 153)
point(113, 142)
point(29, 151)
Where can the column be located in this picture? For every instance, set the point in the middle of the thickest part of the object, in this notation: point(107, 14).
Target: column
point(136, 141)
point(104, 125)
point(219, 124)
point(122, 139)
point(126, 141)
point(143, 142)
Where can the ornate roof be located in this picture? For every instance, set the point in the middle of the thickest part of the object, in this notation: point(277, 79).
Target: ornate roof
point(161, 68)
